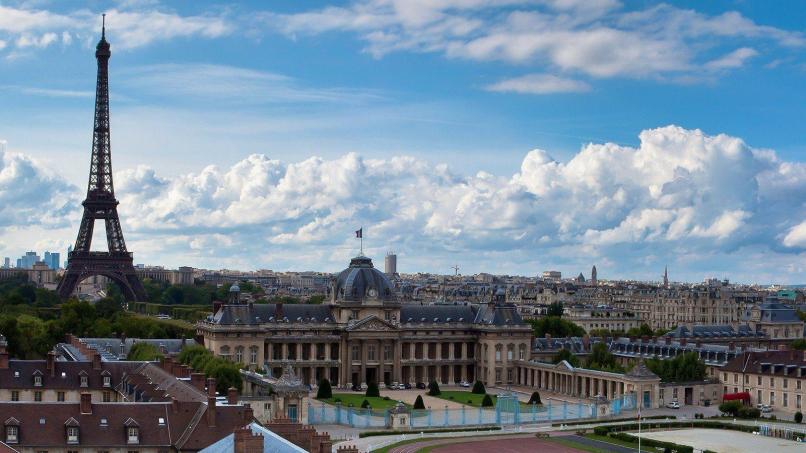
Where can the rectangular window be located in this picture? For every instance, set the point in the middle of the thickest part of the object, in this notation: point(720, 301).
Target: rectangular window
point(38, 381)
point(786, 399)
point(497, 356)
point(772, 398)
point(132, 435)
point(11, 434)
point(797, 402)
point(107, 381)
point(356, 353)
point(759, 380)
point(387, 352)
point(15, 395)
point(371, 352)
point(759, 396)
point(735, 378)
point(786, 383)
point(72, 435)
point(107, 397)
point(772, 383)
point(60, 396)
point(37, 396)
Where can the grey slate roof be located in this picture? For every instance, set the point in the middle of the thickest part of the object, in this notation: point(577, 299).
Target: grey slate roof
point(437, 313)
point(263, 313)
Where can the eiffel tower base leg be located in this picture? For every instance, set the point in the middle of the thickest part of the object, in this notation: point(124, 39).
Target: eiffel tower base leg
point(116, 267)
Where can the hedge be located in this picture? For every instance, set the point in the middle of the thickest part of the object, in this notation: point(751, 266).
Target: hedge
point(428, 431)
point(604, 430)
point(614, 420)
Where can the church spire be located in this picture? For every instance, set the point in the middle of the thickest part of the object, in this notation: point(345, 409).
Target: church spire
point(666, 276)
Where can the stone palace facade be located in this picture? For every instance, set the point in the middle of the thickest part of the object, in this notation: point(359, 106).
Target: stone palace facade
point(365, 334)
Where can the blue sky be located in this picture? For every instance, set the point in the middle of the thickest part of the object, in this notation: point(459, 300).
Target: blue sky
point(502, 135)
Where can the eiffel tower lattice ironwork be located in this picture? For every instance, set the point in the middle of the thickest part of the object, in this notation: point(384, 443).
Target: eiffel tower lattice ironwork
point(100, 204)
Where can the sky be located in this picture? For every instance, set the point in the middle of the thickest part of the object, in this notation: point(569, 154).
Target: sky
point(502, 136)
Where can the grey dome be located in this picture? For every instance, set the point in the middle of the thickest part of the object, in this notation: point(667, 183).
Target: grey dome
point(361, 281)
point(234, 288)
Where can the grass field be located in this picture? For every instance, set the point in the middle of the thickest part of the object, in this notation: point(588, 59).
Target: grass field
point(355, 400)
point(470, 398)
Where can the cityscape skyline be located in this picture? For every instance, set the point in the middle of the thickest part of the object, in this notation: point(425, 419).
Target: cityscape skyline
point(706, 202)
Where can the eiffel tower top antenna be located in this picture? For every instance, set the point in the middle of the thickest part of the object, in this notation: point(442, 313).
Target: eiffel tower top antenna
point(103, 26)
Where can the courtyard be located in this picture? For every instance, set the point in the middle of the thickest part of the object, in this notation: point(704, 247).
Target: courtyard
point(725, 441)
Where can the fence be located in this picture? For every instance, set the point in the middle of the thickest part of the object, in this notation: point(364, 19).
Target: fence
point(508, 411)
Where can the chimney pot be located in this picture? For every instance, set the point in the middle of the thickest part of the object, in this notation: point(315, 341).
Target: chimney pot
point(96, 361)
point(211, 411)
point(197, 380)
point(211, 387)
point(232, 396)
point(52, 363)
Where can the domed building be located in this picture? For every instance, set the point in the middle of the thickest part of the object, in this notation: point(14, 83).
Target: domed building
point(365, 334)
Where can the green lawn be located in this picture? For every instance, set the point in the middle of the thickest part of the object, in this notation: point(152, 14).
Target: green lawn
point(610, 440)
point(470, 398)
point(355, 399)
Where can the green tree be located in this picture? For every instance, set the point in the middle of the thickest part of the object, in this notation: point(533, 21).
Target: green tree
point(143, 351)
point(601, 359)
point(555, 309)
point(372, 390)
point(364, 404)
point(799, 344)
point(316, 299)
point(684, 367)
point(188, 353)
point(478, 388)
point(644, 330)
point(556, 327)
point(798, 417)
point(418, 402)
point(565, 354)
point(433, 389)
point(730, 407)
point(487, 401)
point(324, 391)
point(535, 398)
point(108, 308)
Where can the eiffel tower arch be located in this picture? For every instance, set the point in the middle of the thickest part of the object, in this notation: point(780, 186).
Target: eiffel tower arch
point(101, 204)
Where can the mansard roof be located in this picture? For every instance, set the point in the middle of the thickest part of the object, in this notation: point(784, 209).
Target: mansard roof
point(269, 313)
point(413, 314)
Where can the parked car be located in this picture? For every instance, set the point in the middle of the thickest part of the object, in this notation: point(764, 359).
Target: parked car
point(407, 386)
point(356, 388)
point(673, 405)
point(464, 384)
point(765, 409)
point(421, 385)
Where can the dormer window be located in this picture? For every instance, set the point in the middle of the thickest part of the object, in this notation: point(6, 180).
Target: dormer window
point(37, 381)
point(72, 434)
point(12, 434)
point(133, 435)
point(161, 421)
point(16, 374)
point(83, 381)
point(107, 381)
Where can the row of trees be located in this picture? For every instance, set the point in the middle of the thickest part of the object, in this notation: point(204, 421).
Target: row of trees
point(599, 359)
point(683, 368)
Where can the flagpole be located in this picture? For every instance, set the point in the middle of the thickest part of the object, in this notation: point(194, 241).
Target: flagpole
point(362, 240)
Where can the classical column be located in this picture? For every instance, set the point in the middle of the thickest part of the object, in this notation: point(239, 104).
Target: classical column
point(284, 351)
point(451, 350)
point(397, 368)
point(464, 351)
point(363, 377)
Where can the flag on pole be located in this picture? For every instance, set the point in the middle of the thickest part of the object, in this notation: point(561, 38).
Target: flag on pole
point(359, 233)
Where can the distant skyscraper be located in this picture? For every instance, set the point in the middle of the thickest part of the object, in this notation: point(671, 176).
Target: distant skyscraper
point(390, 263)
point(7, 262)
point(52, 260)
point(28, 260)
point(593, 276)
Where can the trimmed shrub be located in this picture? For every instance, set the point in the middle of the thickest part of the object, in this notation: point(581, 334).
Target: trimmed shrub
point(364, 404)
point(372, 390)
point(418, 403)
point(601, 430)
point(535, 398)
point(386, 398)
point(433, 389)
point(324, 391)
point(749, 412)
point(730, 407)
point(487, 401)
point(478, 388)
point(798, 417)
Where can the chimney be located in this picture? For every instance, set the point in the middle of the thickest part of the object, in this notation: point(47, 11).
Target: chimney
point(232, 396)
point(168, 364)
point(174, 405)
point(211, 411)
point(247, 442)
point(3, 360)
point(163, 365)
point(211, 387)
point(586, 342)
point(668, 339)
point(278, 311)
point(86, 403)
point(248, 413)
point(96, 361)
point(683, 341)
point(52, 363)
point(732, 346)
point(197, 380)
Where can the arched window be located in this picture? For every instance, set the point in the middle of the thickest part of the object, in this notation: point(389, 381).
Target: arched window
point(224, 352)
point(239, 354)
point(522, 352)
point(498, 353)
point(510, 352)
point(253, 354)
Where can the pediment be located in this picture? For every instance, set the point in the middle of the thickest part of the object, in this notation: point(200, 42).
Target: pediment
point(371, 323)
point(564, 365)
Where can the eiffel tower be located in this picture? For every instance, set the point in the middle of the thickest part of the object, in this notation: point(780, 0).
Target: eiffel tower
point(100, 204)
